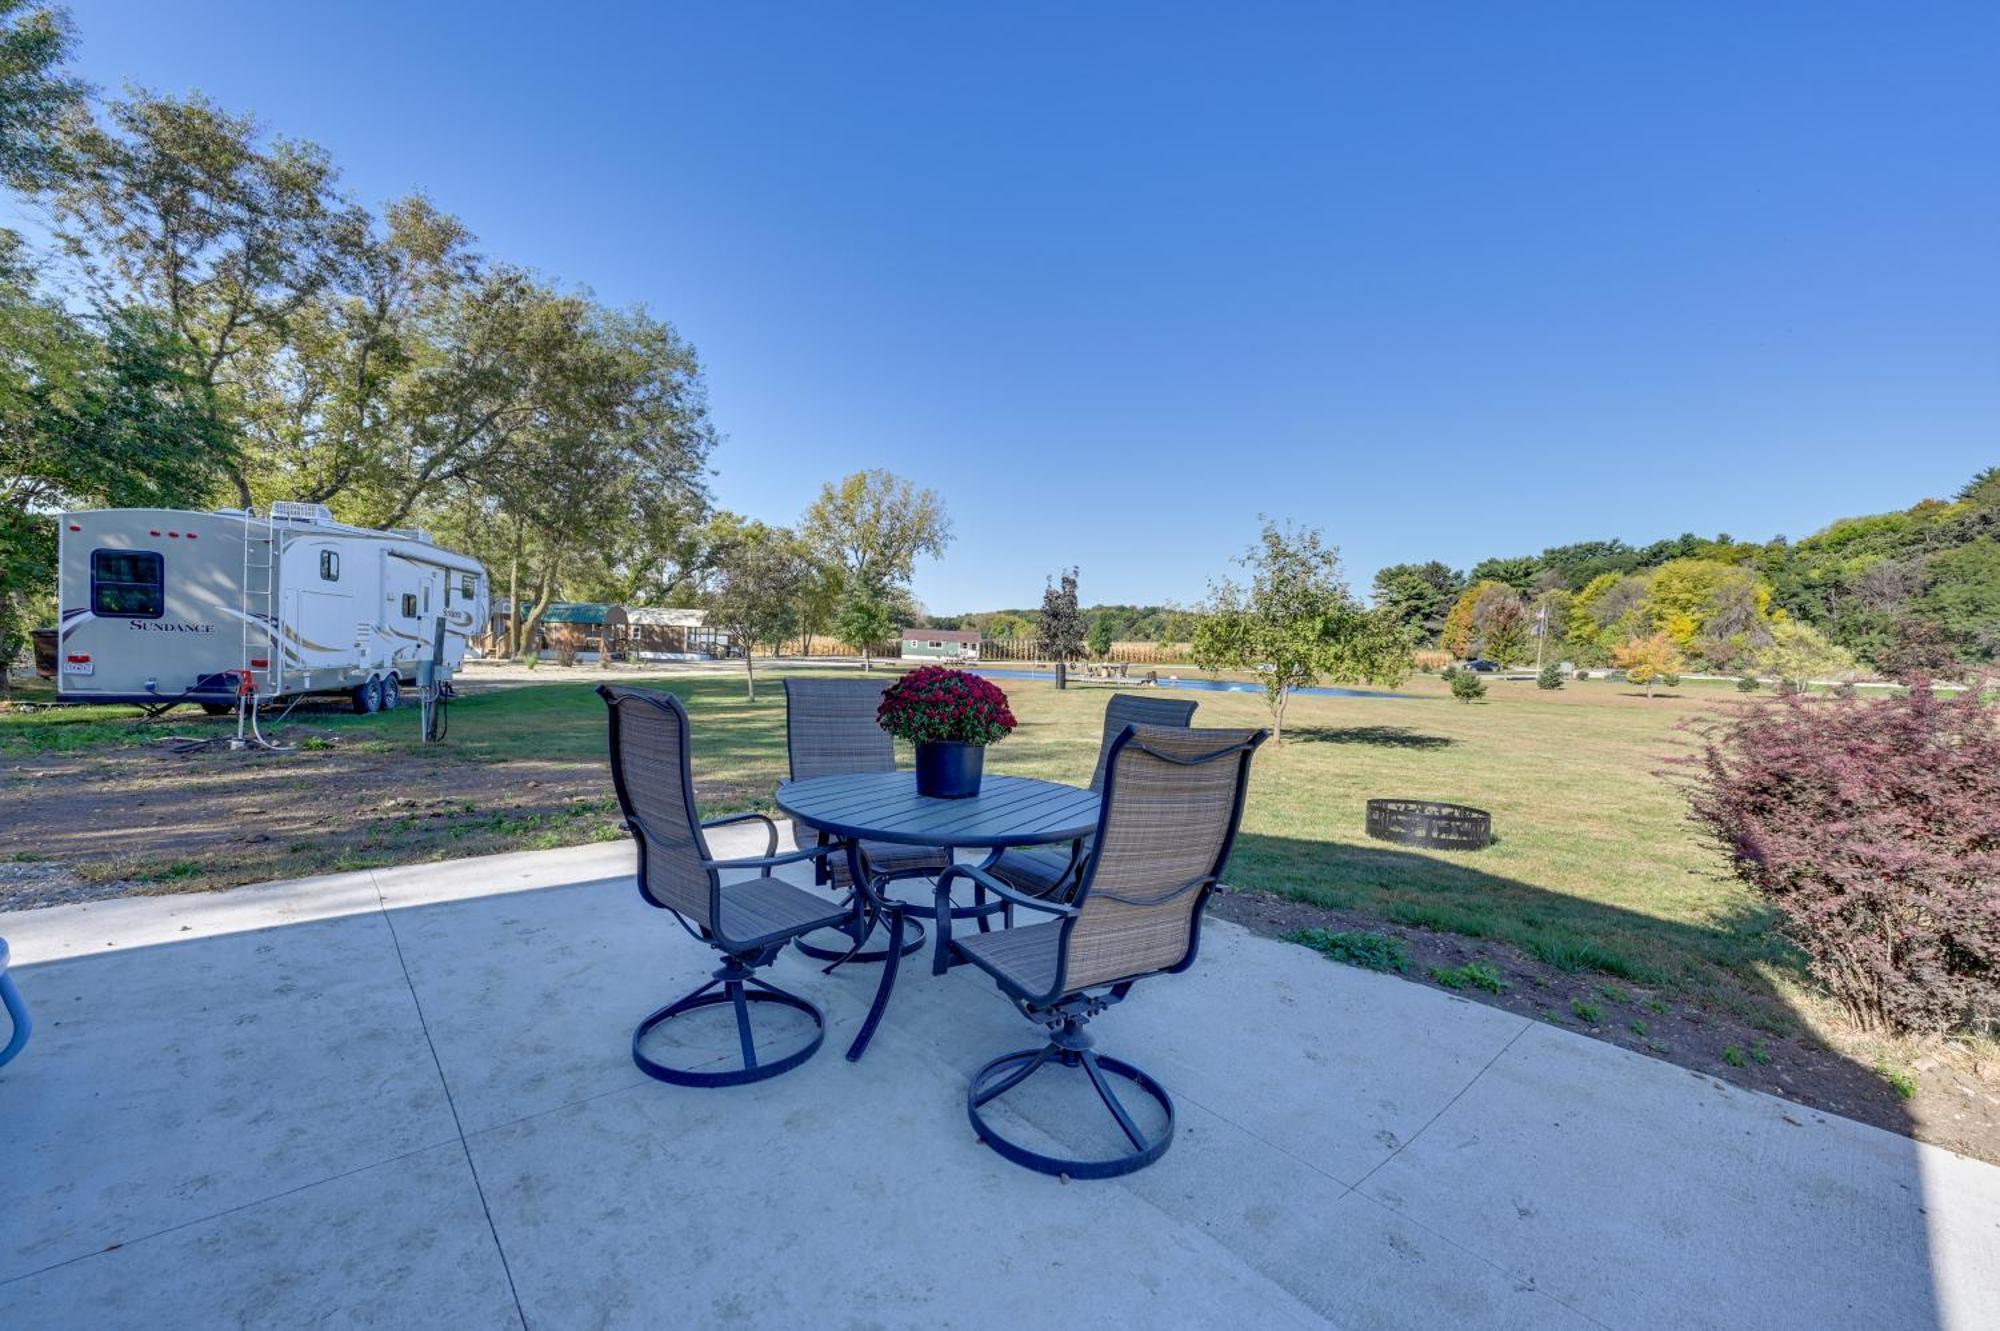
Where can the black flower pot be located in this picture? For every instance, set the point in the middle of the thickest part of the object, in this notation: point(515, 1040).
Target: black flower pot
point(949, 771)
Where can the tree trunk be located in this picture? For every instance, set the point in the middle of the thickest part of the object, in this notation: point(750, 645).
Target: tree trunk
point(1278, 717)
point(514, 595)
point(543, 599)
point(1062, 674)
point(749, 676)
point(866, 663)
point(7, 638)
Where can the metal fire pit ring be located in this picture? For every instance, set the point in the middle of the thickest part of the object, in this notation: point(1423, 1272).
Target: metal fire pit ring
point(1429, 823)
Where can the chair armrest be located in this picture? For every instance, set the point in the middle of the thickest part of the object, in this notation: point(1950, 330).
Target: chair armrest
point(772, 861)
point(941, 958)
point(1002, 890)
point(770, 846)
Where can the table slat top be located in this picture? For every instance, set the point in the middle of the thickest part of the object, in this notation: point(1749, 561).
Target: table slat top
point(885, 806)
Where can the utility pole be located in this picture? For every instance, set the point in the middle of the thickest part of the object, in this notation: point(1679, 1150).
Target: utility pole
point(1541, 633)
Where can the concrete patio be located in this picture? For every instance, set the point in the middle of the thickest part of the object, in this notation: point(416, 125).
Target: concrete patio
point(405, 1098)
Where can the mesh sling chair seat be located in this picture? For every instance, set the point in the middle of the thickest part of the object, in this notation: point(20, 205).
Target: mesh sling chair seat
point(749, 921)
point(1173, 799)
point(831, 729)
point(1051, 871)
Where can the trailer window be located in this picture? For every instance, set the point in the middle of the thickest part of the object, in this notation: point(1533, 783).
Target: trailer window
point(409, 605)
point(127, 584)
point(329, 565)
point(465, 587)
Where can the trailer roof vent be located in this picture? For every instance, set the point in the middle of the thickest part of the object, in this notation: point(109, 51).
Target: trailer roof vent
point(417, 534)
point(290, 511)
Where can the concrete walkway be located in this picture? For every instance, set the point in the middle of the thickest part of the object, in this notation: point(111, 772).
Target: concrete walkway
point(406, 1099)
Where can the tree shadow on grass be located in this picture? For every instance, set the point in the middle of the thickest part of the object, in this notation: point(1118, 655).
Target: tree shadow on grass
point(1383, 737)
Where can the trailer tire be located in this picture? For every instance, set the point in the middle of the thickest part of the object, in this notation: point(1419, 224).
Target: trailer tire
point(368, 697)
point(219, 708)
point(392, 692)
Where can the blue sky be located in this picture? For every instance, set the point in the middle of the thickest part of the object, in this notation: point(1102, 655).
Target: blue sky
point(1445, 280)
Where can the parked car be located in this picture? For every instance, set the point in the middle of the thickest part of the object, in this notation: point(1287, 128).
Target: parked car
point(1482, 665)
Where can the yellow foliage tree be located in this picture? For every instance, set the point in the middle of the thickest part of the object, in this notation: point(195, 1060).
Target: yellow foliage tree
point(1458, 626)
point(1645, 660)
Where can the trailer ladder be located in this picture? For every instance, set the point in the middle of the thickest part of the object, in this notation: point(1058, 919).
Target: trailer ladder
point(258, 590)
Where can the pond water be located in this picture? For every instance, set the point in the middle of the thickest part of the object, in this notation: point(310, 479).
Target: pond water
point(1204, 685)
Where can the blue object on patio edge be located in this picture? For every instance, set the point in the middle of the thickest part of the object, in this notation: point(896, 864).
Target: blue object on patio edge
point(11, 997)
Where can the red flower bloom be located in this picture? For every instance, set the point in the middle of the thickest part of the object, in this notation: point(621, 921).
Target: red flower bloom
point(934, 703)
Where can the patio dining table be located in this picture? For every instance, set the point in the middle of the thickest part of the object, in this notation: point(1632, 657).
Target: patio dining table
point(885, 806)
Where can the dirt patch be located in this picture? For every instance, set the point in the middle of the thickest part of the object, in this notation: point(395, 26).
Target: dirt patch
point(1957, 1105)
point(150, 820)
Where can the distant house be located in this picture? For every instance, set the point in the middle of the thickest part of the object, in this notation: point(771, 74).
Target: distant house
point(940, 645)
point(585, 626)
point(664, 633)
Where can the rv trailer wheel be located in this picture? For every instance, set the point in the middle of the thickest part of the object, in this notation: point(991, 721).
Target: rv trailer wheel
point(219, 708)
point(392, 692)
point(368, 697)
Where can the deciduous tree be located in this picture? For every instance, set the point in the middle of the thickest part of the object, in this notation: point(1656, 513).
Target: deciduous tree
point(1297, 623)
point(755, 598)
point(1060, 629)
point(1648, 660)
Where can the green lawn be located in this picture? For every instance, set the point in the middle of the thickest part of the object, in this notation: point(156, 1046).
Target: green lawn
point(1595, 868)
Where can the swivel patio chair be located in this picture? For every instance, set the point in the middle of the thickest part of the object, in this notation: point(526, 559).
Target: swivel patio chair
point(831, 730)
point(1051, 871)
point(17, 1011)
point(749, 920)
point(1173, 799)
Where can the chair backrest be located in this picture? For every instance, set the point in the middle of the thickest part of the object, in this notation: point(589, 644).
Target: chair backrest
point(831, 728)
point(1173, 798)
point(655, 784)
point(1129, 709)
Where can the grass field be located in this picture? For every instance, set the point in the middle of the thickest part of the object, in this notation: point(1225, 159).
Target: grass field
point(1595, 866)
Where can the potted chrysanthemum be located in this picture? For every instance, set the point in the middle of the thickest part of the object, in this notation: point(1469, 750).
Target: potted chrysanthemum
point(951, 716)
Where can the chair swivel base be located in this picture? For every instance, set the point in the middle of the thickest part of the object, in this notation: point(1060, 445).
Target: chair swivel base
point(1003, 1074)
point(742, 991)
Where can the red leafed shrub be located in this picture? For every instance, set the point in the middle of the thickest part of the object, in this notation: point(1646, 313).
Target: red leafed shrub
point(933, 703)
point(1874, 829)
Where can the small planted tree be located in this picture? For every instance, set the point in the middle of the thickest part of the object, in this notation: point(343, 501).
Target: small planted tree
point(1296, 623)
point(758, 576)
point(1100, 637)
point(865, 618)
point(1650, 660)
point(1059, 635)
point(1550, 678)
point(1874, 829)
point(1467, 686)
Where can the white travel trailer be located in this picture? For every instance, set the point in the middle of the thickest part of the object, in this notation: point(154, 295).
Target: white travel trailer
point(162, 606)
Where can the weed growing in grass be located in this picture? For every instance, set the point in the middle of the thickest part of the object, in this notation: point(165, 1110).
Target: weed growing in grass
point(1588, 1013)
point(1371, 951)
point(1903, 1080)
point(1658, 1006)
point(1613, 994)
point(1733, 1055)
point(1639, 1029)
point(1759, 1054)
point(316, 744)
point(1473, 974)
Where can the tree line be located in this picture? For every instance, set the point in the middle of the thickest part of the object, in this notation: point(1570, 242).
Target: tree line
point(1904, 593)
point(211, 319)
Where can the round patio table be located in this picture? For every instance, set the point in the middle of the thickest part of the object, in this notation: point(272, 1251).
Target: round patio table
point(885, 806)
